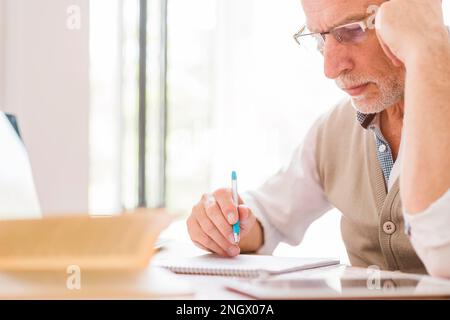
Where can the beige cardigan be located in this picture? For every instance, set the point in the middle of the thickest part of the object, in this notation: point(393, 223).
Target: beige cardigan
point(372, 222)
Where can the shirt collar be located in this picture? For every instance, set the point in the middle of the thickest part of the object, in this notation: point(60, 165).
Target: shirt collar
point(365, 120)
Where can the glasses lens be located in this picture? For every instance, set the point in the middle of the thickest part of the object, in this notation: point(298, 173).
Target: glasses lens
point(312, 42)
point(353, 33)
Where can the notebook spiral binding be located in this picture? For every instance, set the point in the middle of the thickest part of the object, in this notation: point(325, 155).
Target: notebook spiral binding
point(216, 272)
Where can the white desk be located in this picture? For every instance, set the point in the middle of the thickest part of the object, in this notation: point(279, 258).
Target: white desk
point(151, 283)
point(345, 277)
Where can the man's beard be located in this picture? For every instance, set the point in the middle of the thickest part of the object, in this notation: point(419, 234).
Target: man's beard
point(391, 91)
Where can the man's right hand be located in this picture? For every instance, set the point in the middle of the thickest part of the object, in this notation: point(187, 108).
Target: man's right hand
point(211, 220)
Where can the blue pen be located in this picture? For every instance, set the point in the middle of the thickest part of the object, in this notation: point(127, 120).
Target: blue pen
point(236, 226)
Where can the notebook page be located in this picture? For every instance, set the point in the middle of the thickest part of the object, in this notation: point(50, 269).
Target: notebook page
point(269, 264)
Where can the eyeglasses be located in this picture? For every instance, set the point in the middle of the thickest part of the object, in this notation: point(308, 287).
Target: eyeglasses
point(351, 33)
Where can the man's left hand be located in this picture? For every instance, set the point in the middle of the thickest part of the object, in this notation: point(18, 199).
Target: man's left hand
point(407, 29)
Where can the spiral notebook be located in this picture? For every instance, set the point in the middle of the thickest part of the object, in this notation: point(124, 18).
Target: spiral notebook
point(246, 266)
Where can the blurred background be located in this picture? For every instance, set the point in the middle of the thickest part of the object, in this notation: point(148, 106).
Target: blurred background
point(126, 103)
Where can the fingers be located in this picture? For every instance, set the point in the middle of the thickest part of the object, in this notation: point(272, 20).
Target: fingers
point(213, 232)
point(211, 220)
point(224, 199)
point(214, 213)
point(204, 231)
point(387, 51)
point(247, 219)
point(378, 26)
point(200, 246)
point(201, 239)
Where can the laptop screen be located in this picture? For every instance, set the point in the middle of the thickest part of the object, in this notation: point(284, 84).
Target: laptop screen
point(18, 196)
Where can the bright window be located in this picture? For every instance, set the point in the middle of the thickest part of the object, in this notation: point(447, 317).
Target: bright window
point(239, 94)
point(242, 96)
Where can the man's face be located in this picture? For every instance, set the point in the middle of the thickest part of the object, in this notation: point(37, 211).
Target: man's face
point(362, 69)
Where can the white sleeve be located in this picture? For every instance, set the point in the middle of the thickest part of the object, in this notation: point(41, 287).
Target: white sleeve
point(18, 196)
point(291, 200)
point(430, 236)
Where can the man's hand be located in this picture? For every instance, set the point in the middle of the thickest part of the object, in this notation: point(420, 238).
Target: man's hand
point(407, 29)
point(413, 33)
point(211, 220)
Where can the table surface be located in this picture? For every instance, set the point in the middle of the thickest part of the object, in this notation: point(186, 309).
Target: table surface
point(153, 282)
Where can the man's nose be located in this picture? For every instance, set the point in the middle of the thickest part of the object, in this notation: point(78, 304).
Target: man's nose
point(337, 58)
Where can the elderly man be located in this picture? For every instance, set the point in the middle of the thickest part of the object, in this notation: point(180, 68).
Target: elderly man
point(393, 60)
